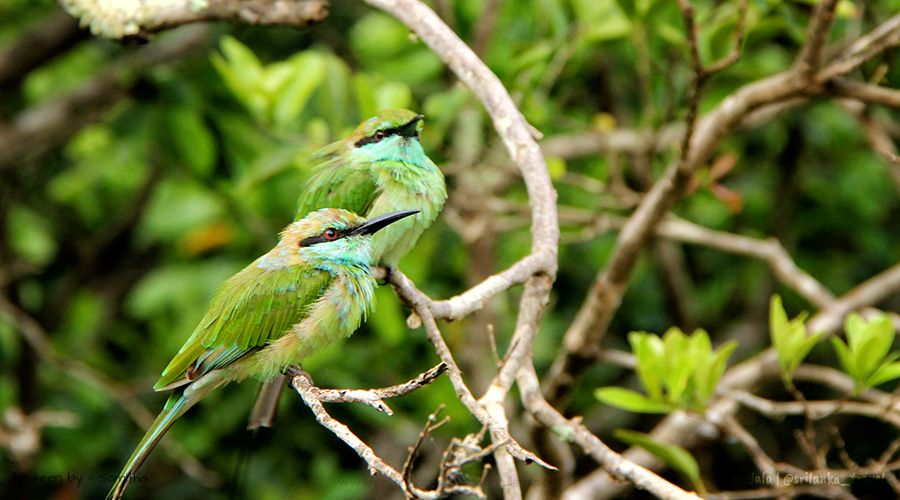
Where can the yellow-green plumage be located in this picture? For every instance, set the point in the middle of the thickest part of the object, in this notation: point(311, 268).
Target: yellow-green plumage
point(374, 174)
point(314, 287)
point(379, 169)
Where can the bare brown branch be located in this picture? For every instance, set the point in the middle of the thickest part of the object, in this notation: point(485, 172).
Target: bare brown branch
point(867, 92)
point(56, 33)
point(817, 34)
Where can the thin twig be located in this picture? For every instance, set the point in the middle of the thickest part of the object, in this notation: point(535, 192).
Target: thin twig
point(375, 397)
point(310, 394)
point(813, 410)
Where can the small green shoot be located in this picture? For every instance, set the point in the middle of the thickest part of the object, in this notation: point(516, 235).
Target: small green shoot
point(676, 370)
point(791, 341)
point(866, 356)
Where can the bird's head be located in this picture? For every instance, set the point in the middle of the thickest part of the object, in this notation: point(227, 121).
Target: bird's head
point(329, 239)
point(391, 135)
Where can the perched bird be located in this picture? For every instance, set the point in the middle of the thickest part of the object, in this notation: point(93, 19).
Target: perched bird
point(380, 168)
point(314, 287)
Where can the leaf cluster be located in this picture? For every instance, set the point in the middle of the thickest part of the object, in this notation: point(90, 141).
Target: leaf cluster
point(677, 371)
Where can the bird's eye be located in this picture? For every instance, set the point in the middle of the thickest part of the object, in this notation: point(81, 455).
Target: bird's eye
point(330, 234)
point(378, 135)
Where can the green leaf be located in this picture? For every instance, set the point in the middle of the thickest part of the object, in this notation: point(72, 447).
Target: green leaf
point(778, 322)
point(885, 373)
point(707, 377)
point(241, 57)
point(845, 358)
point(855, 329)
point(391, 95)
point(378, 36)
point(801, 351)
point(333, 98)
point(649, 351)
point(30, 236)
point(881, 330)
point(241, 71)
point(556, 166)
point(553, 14)
point(680, 364)
point(192, 140)
point(675, 456)
point(629, 400)
point(789, 338)
point(274, 77)
point(364, 86)
point(308, 71)
point(601, 20)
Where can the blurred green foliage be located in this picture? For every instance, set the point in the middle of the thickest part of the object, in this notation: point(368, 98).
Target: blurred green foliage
point(127, 230)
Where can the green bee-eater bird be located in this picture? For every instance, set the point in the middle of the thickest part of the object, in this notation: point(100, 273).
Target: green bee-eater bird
point(380, 168)
point(314, 287)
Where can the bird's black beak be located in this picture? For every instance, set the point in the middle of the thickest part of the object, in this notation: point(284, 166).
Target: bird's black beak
point(411, 129)
point(372, 226)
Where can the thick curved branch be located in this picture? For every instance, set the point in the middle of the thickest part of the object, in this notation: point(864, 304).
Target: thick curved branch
point(56, 33)
point(138, 17)
point(517, 136)
point(511, 126)
point(496, 424)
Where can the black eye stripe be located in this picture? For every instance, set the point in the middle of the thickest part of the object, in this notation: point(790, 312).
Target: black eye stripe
point(312, 240)
point(372, 139)
point(387, 133)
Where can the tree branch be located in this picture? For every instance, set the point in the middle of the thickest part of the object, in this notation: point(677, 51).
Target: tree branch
point(583, 337)
point(48, 125)
point(743, 376)
point(375, 397)
point(52, 35)
point(313, 397)
point(140, 17)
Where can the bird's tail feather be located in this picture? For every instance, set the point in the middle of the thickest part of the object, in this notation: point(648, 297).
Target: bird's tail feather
point(266, 403)
point(175, 407)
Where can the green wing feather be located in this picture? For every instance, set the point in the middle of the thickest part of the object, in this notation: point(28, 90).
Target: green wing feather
point(337, 184)
point(253, 308)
